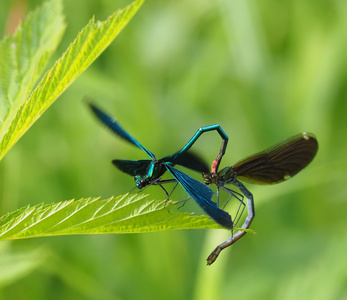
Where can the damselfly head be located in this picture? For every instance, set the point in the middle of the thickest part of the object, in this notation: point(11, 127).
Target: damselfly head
point(209, 178)
point(141, 181)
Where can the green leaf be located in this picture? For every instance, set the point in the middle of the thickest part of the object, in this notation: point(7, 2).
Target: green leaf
point(24, 55)
point(87, 46)
point(123, 214)
point(17, 265)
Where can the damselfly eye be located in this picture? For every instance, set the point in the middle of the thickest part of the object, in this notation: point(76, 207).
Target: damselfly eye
point(144, 182)
point(207, 178)
point(140, 182)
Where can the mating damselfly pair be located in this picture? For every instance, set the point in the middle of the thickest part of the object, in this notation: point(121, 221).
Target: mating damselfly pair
point(273, 165)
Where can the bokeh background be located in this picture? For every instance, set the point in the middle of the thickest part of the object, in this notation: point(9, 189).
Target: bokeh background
point(263, 70)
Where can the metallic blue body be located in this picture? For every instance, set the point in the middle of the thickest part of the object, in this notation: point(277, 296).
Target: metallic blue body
point(147, 172)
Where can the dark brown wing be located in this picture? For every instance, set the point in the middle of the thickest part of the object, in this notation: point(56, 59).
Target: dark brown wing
point(279, 162)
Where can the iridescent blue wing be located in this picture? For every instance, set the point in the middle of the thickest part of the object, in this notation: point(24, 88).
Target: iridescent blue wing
point(117, 129)
point(203, 196)
point(188, 160)
point(132, 167)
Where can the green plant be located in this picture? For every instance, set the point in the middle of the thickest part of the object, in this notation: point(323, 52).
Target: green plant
point(24, 56)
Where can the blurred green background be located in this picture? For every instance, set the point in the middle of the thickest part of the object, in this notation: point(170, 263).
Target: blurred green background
point(263, 70)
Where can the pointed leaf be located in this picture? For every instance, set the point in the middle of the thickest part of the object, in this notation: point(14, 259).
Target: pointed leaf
point(88, 45)
point(123, 214)
point(24, 55)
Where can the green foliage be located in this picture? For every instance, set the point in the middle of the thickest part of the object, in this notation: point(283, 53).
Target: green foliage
point(27, 56)
point(18, 265)
point(28, 51)
point(264, 71)
point(123, 214)
point(24, 55)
